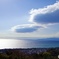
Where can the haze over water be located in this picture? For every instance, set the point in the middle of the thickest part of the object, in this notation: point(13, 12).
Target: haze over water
point(28, 43)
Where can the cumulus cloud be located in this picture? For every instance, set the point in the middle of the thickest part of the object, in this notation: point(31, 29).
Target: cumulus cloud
point(46, 15)
point(25, 28)
point(41, 17)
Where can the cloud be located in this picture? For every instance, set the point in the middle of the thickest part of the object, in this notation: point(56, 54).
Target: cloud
point(40, 18)
point(46, 15)
point(25, 28)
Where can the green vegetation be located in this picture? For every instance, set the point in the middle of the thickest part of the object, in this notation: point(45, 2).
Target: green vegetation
point(17, 54)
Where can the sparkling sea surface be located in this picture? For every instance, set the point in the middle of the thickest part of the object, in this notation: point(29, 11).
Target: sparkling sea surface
point(28, 43)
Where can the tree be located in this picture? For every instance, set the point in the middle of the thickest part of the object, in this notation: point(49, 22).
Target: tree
point(46, 55)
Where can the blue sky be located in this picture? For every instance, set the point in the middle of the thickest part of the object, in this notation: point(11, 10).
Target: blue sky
point(29, 18)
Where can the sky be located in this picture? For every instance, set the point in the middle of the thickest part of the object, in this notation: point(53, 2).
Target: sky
point(29, 18)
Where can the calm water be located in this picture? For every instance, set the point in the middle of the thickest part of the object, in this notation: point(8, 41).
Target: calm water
point(17, 43)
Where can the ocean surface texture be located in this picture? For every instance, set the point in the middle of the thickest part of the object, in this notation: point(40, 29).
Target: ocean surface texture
point(28, 43)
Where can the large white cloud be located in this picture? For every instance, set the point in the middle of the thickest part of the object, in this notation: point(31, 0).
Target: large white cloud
point(25, 28)
point(46, 15)
point(40, 18)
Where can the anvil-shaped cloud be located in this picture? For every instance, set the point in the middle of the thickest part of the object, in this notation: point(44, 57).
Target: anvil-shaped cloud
point(46, 15)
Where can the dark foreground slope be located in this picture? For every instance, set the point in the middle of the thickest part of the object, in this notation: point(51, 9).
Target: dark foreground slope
point(32, 53)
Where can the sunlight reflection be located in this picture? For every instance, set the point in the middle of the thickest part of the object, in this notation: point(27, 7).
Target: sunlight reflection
point(11, 43)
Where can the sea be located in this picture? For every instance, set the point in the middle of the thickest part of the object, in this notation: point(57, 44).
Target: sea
point(29, 43)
